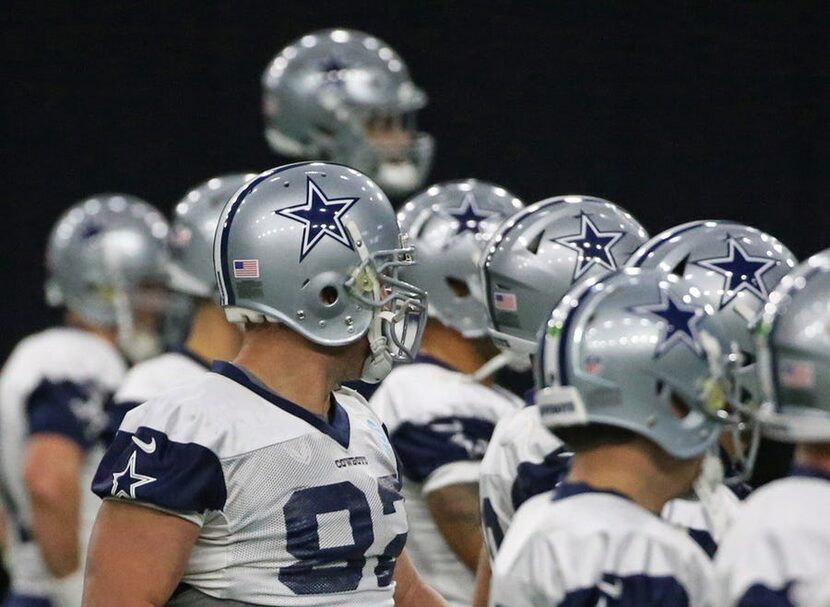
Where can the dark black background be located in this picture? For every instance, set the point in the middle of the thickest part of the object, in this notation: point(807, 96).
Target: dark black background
point(677, 111)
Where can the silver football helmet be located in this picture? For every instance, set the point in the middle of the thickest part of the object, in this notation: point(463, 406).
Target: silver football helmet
point(106, 260)
point(191, 238)
point(346, 96)
point(537, 255)
point(636, 350)
point(449, 224)
point(734, 268)
point(794, 355)
point(316, 246)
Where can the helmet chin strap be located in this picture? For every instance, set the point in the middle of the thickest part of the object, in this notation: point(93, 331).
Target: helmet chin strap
point(499, 361)
point(705, 488)
point(379, 362)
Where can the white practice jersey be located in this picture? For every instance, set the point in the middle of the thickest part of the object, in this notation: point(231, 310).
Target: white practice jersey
point(293, 510)
point(580, 546)
point(150, 378)
point(55, 382)
point(525, 459)
point(778, 552)
point(440, 422)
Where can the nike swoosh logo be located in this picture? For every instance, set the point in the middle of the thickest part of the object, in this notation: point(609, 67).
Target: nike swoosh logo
point(146, 447)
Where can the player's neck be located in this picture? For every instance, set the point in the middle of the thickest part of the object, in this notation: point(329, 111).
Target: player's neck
point(109, 334)
point(290, 366)
point(638, 469)
point(211, 336)
point(450, 347)
point(813, 455)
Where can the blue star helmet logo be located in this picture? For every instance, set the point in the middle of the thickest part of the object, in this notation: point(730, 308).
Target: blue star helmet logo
point(321, 216)
point(741, 272)
point(90, 229)
point(592, 246)
point(468, 215)
point(332, 69)
point(680, 324)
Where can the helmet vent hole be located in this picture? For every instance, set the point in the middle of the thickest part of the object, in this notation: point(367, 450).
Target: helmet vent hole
point(680, 268)
point(678, 407)
point(457, 286)
point(286, 184)
point(329, 295)
point(305, 282)
point(533, 245)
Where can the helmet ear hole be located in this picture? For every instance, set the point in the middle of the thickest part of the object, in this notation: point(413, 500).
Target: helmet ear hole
point(458, 286)
point(329, 295)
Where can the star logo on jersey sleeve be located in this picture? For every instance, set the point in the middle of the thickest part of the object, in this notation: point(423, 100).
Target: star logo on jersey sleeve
point(125, 483)
point(321, 217)
point(469, 215)
point(741, 272)
point(679, 324)
point(592, 245)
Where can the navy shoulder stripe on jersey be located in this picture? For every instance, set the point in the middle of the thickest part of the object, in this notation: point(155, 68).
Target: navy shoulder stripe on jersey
point(423, 448)
point(147, 466)
point(67, 408)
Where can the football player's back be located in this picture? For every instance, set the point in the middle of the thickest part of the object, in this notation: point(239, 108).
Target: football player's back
point(598, 543)
point(439, 414)
point(778, 552)
point(439, 422)
point(190, 275)
point(55, 384)
point(633, 417)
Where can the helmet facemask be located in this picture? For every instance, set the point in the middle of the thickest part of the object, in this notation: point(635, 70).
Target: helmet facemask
point(398, 308)
point(402, 154)
point(139, 318)
point(730, 396)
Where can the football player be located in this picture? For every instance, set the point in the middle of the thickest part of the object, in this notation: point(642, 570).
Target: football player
point(530, 264)
point(778, 551)
point(441, 411)
point(105, 261)
point(735, 267)
point(631, 369)
point(210, 336)
point(346, 96)
point(262, 482)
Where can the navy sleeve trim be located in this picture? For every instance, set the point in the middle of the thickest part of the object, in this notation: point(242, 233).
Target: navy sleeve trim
point(67, 408)
point(147, 466)
point(423, 448)
point(630, 591)
point(759, 595)
point(533, 479)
